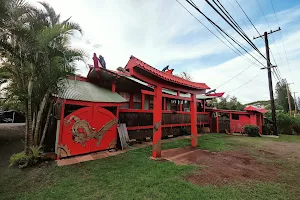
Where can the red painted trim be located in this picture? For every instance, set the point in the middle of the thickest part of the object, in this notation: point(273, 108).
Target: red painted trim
point(143, 101)
point(203, 113)
point(154, 83)
point(179, 112)
point(135, 110)
point(229, 111)
point(113, 86)
point(175, 125)
point(176, 97)
point(131, 103)
point(139, 127)
point(165, 103)
point(217, 124)
point(62, 116)
point(157, 120)
point(178, 93)
point(87, 103)
point(194, 131)
point(166, 77)
point(200, 123)
point(180, 105)
point(147, 92)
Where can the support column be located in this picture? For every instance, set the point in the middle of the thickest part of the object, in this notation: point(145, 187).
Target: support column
point(194, 132)
point(165, 103)
point(180, 105)
point(217, 124)
point(157, 117)
point(143, 102)
point(113, 86)
point(131, 104)
point(230, 123)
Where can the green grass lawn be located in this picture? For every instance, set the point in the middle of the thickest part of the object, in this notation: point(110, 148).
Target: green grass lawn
point(133, 175)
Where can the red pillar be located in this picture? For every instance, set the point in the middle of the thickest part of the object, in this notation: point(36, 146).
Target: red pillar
point(230, 123)
point(113, 86)
point(180, 105)
point(157, 117)
point(131, 104)
point(165, 103)
point(61, 125)
point(143, 101)
point(217, 124)
point(194, 132)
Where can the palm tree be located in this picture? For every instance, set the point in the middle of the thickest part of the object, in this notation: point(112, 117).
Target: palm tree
point(37, 56)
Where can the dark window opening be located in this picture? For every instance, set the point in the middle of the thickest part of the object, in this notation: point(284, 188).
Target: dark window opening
point(235, 116)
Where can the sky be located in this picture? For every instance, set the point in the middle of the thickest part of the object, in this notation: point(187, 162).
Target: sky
point(162, 33)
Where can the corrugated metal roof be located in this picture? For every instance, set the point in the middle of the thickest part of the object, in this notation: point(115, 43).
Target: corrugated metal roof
point(86, 91)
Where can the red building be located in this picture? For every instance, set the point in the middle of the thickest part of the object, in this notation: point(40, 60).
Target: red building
point(152, 104)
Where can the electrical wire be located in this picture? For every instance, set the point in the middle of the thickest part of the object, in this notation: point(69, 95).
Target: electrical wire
point(213, 23)
point(237, 51)
point(234, 76)
point(270, 29)
point(256, 28)
point(245, 83)
point(281, 37)
point(232, 23)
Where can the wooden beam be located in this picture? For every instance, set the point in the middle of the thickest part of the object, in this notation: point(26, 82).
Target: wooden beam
point(194, 132)
point(157, 120)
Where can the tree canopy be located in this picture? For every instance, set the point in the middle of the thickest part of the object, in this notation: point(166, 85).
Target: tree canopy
point(281, 96)
point(36, 55)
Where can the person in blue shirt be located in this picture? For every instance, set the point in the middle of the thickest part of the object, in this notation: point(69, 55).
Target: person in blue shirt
point(102, 61)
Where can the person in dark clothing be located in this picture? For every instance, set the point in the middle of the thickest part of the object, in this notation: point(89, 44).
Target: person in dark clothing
point(102, 61)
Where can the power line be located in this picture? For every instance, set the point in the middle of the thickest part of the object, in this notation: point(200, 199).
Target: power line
point(234, 76)
point(270, 29)
point(281, 36)
point(240, 53)
point(256, 28)
point(245, 83)
point(213, 23)
point(232, 23)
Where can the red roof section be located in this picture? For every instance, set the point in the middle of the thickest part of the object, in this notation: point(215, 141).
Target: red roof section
point(255, 109)
point(135, 62)
point(220, 94)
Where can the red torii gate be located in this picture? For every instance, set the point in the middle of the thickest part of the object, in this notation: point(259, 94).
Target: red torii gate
point(160, 80)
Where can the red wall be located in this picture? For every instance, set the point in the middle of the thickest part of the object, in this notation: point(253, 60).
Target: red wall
point(237, 126)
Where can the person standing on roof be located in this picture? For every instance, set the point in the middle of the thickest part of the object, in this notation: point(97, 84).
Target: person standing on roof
point(102, 61)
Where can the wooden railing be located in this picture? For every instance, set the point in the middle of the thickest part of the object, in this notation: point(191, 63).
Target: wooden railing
point(203, 118)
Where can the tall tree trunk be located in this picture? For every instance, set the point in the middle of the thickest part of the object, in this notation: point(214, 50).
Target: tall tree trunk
point(26, 130)
point(46, 126)
point(39, 117)
point(29, 114)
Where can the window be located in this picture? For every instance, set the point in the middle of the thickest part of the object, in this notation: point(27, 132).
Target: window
point(235, 117)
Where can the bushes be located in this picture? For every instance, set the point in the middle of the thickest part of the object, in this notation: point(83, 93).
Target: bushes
point(22, 160)
point(288, 124)
point(267, 129)
point(251, 130)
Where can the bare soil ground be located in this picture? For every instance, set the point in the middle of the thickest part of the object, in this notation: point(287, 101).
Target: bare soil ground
point(11, 141)
point(218, 168)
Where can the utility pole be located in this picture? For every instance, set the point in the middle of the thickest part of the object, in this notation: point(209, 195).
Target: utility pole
point(296, 106)
point(288, 96)
point(269, 66)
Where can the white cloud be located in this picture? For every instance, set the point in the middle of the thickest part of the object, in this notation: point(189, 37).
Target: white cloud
point(162, 32)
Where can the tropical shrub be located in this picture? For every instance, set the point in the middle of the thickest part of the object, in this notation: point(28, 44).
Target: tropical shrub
point(251, 130)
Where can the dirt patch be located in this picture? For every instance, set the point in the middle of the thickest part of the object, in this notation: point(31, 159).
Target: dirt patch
point(219, 168)
point(282, 150)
